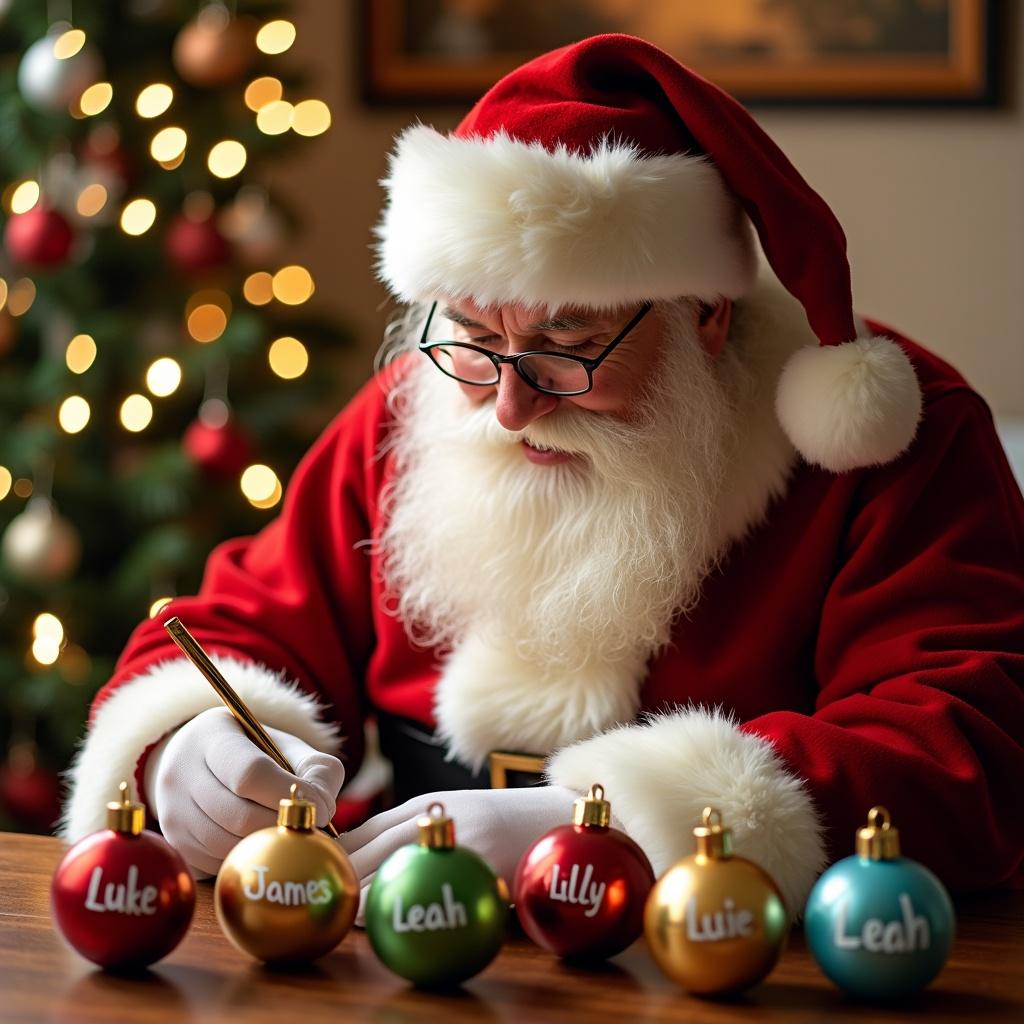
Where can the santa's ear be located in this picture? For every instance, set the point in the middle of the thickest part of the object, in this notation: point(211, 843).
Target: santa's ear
point(713, 325)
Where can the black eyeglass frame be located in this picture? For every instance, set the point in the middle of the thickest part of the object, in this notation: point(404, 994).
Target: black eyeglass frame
point(590, 365)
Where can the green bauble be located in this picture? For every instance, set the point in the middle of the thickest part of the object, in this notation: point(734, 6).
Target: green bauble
point(435, 913)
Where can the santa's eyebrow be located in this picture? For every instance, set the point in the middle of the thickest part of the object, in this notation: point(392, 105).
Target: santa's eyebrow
point(460, 318)
point(563, 322)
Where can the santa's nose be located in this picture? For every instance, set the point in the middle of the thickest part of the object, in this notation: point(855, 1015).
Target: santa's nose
point(517, 405)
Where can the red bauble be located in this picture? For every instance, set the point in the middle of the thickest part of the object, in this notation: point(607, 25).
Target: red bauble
point(30, 793)
point(40, 237)
point(580, 889)
point(221, 452)
point(123, 900)
point(194, 246)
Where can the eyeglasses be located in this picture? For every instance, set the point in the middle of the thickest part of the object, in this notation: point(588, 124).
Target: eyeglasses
point(552, 373)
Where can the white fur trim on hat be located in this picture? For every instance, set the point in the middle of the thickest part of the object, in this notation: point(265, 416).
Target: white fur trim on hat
point(498, 220)
point(142, 710)
point(659, 776)
point(851, 405)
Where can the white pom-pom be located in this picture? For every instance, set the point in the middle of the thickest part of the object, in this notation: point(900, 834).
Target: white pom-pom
point(851, 405)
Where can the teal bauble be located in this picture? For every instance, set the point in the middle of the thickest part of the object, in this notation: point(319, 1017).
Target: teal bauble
point(436, 912)
point(879, 925)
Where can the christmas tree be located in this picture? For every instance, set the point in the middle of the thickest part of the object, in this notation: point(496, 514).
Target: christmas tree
point(160, 373)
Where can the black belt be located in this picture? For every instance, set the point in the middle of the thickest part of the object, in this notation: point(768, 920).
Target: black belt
point(420, 763)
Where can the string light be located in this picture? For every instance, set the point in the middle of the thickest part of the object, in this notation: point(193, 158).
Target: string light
point(311, 117)
point(293, 285)
point(207, 322)
point(5, 482)
point(168, 144)
point(67, 44)
point(138, 216)
point(258, 288)
point(81, 352)
point(91, 200)
point(163, 377)
point(261, 91)
point(226, 159)
point(288, 358)
point(44, 650)
point(21, 297)
point(24, 197)
point(275, 118)
point(158, 606)
point(261, 486)
point(275, 37)
point(136, 413)
point(96, 98)
point(154, 100)
point(48, 625)
point(3, 293)
point(73, 414)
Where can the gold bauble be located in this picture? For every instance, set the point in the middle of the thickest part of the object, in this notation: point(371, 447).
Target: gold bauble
point(215, 49)
point(715, 923)
point(287, 894)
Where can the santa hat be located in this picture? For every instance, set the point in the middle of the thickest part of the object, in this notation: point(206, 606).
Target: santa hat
point(606, 173)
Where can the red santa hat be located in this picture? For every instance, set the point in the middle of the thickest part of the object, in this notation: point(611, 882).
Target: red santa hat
point(606, 173)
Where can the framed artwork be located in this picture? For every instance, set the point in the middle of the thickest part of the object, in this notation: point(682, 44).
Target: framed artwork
point(762, 51)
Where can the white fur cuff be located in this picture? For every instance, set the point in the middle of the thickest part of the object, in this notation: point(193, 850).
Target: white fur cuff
point(660, 775)
point(167, 695)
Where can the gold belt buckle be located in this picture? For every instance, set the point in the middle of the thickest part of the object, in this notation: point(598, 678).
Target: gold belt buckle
point(503, 762)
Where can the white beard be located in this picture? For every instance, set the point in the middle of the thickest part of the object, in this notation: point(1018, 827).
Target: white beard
point(548, 588)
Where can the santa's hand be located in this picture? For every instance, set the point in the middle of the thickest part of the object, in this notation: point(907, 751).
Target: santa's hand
point(209, 785)
point(498, 824)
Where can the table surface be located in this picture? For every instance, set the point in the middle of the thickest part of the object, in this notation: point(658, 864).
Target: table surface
point(206, 979)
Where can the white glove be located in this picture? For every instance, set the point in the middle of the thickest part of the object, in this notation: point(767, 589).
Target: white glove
point(209, 785)
point(498, 824)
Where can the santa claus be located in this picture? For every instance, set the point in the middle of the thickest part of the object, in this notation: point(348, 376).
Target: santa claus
point(620, 499)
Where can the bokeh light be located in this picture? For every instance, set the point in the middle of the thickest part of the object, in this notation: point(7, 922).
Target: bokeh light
point(275, 37)
point(158, 606)
point(207, 322)
point(311, 117)
point(73, 414)
point(138, 216)
point(5, 482)
point(80, 353)
point(67, 44)
point(258, 288)
point(96, 98)
point(261, 91)
point(288, 358)
point(136, 413)
point(91, 200)
point(261, 486)
point(275, 118)
point(163, 377)
point(24, 196)
point(226, 159)
point(154, 100)
point(48, 625)
point(168, 144)
point(293, 285)
point(21, 296)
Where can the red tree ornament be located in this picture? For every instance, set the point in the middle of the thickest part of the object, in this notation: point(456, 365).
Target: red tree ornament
point(29, 791)
point(195, 246)
point(580, 889)
point(220, 451)
point(40, 237)
point(122, 897)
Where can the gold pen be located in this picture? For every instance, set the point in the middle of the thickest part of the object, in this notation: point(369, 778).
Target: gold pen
point(246, 719)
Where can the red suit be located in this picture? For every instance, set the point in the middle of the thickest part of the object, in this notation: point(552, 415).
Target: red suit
point(870, 629)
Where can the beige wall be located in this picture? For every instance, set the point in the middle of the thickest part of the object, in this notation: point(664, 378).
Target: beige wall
point(932, 204)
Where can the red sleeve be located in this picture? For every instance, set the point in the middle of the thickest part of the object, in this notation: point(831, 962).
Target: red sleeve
point(296, 597)
point(920, 657)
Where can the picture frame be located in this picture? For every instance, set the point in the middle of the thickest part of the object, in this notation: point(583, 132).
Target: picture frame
point(778, 52)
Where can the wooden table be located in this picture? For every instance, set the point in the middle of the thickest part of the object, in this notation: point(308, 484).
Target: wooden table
point(206, 979)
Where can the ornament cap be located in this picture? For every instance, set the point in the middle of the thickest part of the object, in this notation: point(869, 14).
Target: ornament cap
point(295, 813)
point(592, 810)
point(437, 830)
point(878, 840)
point(125, 816)
point(714, 841)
